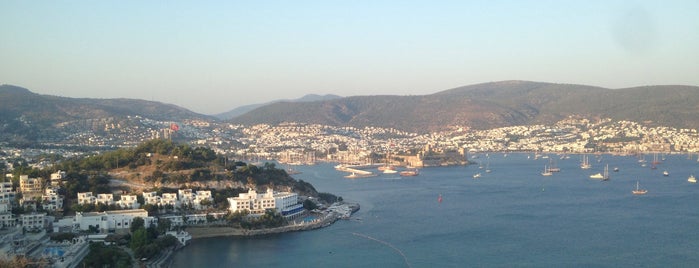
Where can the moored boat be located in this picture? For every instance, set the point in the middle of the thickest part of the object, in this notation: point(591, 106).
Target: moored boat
point(409, 173)
point(597, 176)
point(639, 191)
point(546, 172)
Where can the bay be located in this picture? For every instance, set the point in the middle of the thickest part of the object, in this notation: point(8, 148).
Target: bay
point(510, 217)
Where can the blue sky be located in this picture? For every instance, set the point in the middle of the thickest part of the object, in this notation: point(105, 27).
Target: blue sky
point(211, 56)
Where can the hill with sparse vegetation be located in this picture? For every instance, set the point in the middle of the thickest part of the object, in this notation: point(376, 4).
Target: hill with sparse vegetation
point(492, 105)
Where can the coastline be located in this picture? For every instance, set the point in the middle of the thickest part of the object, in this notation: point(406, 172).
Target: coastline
point(327, 218)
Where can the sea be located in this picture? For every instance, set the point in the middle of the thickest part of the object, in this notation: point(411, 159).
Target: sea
point(509, 217)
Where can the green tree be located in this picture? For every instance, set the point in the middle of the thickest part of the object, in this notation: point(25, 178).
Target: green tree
point(137, 223)
point(139, 238)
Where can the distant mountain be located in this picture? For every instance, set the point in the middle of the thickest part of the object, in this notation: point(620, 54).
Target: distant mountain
point(246, 108)
point(491, 105)
point(26, 116)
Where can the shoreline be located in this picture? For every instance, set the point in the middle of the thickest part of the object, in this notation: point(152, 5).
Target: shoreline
point(326, 219)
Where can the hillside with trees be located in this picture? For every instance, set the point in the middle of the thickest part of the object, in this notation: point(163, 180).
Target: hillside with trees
point(165, 166)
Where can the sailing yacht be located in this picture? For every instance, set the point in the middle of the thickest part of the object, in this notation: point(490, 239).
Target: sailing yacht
point(601, 176)
point(546, 172)
point(639, 191)
point(585, 164)
point(606, 173)
point(552, 166)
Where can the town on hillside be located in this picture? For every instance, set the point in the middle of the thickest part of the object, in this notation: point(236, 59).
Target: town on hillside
point(32, 206)
point(295, 143)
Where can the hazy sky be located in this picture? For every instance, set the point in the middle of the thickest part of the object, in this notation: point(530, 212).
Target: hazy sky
point(211, 57)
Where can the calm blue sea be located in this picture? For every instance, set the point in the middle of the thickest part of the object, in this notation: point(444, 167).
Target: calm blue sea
point(511, 217)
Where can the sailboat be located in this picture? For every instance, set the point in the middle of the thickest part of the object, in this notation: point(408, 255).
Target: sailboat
point(692, 179)
point(639, 191)
point(552, 166)
point(388, 168)
point(439, 199)
point(584, 163)
point(602, 176)
point(546, 172)
point(606, 173)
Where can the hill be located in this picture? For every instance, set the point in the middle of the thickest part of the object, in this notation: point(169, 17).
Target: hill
point(162, 163)
point(491, 105)
point(247, 108)
point(27, 116)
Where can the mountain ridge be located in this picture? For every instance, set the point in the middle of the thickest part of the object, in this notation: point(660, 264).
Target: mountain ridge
point(247, 108)
point(30, 117)
point(26, 117)
point(493, 104)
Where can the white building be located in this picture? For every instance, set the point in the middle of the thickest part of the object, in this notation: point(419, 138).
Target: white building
point(252, 202)
point(128, 201)
point(86, 198)
point(152, 198)
point(170, 199)
point(34, 221)
point(107, 199)
point(57, 177)
point(186, 196)
point(111, 220)
point(285, 203)
point(51, 200)
point(201, 196)
point(29, 186)
point(6, 218)
point(7, 195)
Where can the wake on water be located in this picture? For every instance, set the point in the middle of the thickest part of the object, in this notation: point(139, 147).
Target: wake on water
point(405, 258)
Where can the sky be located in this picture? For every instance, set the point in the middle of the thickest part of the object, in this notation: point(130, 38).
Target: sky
point(213, 56)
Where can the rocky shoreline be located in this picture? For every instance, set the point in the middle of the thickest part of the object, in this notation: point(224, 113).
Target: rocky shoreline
point(325, 219)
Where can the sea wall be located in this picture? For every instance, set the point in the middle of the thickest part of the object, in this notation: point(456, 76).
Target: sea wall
point(326, 219)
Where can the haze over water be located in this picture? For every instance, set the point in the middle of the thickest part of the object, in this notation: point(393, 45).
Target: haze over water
point(511, 217)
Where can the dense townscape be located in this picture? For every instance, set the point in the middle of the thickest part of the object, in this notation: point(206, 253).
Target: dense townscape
point(287, 143)
point(295, 143)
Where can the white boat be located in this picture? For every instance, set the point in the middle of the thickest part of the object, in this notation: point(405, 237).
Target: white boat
point(692, 179)
point(546, 172)
point(389, 171)
point(476, 176)
point(585, 164)
point(639, 191)
point(598, 176)
point(665, 173)
point(409, 173)
point(602, 176)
